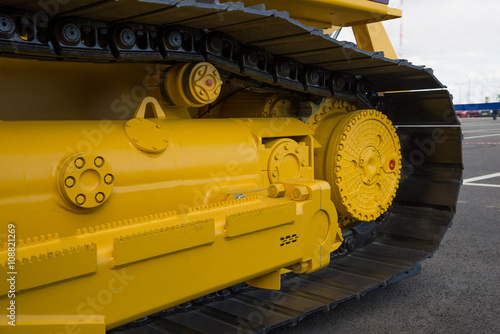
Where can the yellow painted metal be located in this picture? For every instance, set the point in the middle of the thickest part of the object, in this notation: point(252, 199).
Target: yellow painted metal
point(325, 13)
point(85, 180)
point(268, 281)
point(166, 259)
point(192, 84)
point(248, 104)
point(289, 160)
point(373, 37)
point(361, 159)
point(49, 267)
point(364, 16)
point(55, 324)
point(171, 229)
point(145, 134)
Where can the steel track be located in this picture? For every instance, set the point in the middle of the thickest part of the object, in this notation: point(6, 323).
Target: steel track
point(252, 44)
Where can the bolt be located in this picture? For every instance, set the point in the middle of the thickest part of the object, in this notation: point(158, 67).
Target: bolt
point(7, 25)
point(276, 156)
point(70, 34)
point(174, 40)
point(108, 179)
point(158, 126)
point(300, 193)
point(99, 197)
point(275, 173)
point(303, 163)
point(69, 182)
point(276, 190)
point(239, 196)
point(79, 163)
point(98, 162)
point(126, 38)
point(80, 199)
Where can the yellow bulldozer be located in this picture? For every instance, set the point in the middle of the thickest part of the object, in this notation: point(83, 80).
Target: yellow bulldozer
point(204, 166)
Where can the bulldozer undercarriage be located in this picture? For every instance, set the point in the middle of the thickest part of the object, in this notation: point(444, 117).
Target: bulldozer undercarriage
point(337, 172)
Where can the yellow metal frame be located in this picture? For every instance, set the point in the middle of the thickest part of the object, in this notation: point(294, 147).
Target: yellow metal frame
point(326, 13)
point(104, 256)
point(364, 16)
point(77, 270)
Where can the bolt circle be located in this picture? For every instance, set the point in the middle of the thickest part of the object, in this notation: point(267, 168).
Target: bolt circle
point(85, 180)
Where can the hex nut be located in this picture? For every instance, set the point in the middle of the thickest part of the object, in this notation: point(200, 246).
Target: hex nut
point(300, 193)
point(276, 190)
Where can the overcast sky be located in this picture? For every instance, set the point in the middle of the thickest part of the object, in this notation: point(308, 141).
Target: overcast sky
point(458, 39)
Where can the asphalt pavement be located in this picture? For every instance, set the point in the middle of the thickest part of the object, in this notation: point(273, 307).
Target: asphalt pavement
point(458, 290)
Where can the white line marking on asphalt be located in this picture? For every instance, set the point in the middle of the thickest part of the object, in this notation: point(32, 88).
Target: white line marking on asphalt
point(482, 130)
point(479, 178)
point(482, 185)
point(482, 136)
point(474, 125)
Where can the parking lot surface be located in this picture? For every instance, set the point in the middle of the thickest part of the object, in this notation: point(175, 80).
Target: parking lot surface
point(458, 290)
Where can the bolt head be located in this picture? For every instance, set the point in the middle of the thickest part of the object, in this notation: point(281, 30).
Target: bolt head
point(69, 182)
point(99, 197)
point(79, 163)
point(98, 162)
point(276, 190)
point(80, 199)
point(300, 193)
point(108, 179)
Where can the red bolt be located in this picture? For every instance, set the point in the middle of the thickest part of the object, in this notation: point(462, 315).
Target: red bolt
point(210, 82)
